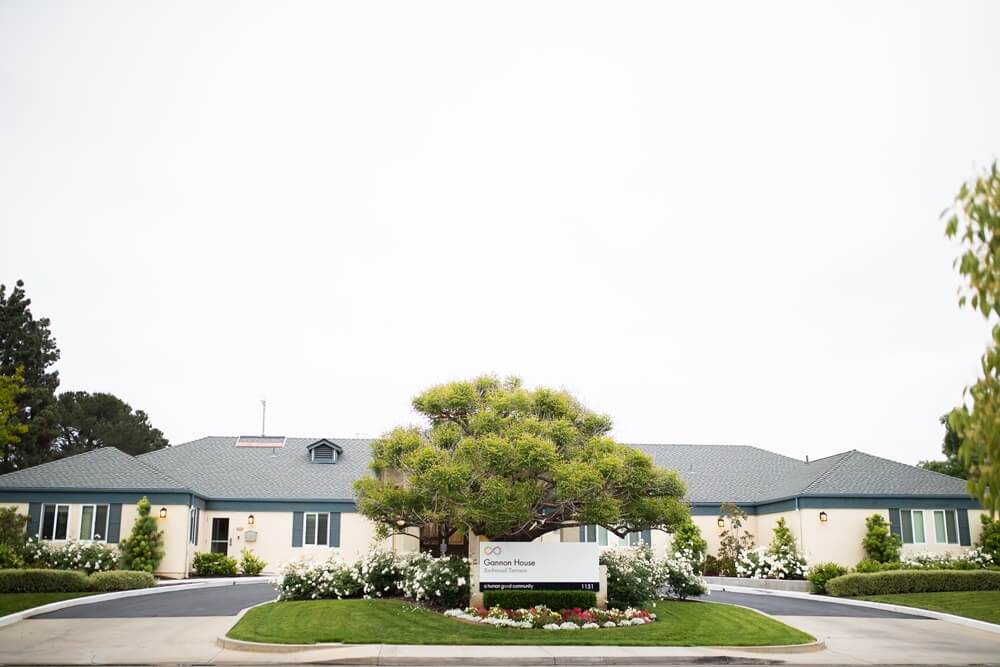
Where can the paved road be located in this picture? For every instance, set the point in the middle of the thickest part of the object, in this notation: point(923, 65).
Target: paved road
point(782, 606)
point(215, 601)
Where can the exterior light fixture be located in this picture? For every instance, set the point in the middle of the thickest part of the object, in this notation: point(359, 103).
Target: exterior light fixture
point(400, 523)
point(250, 520)
point(823, 517)
point(721, 522)
point(163, 512)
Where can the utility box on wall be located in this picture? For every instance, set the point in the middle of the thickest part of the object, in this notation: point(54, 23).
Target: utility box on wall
point(250, 536)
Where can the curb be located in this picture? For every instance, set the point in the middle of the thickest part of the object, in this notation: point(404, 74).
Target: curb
point(223, 641)
point(898, 608)
point(10, 619)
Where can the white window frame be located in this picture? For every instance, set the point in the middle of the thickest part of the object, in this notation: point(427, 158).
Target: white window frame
point(605, 538)
point(193, 520)
point(315, 535)
point(944, 514)
point(55, 522)
point(913, 526)
point(93, 522)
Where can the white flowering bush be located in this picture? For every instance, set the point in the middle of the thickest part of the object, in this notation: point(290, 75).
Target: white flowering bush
point(980, 558)
point(637, 576)
point(87, 556)
point(970, 560)
point(442, 582)
point(547, 619)
point(762, 564)
point(36, 553)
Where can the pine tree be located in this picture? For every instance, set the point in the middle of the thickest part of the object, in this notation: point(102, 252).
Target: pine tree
point(143, 550)
point(879, 543)
point(783, 541)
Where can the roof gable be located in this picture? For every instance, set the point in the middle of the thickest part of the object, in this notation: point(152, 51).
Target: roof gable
point(103, 468)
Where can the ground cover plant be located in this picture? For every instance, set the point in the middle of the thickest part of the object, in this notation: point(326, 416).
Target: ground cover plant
point(981, 605)
point(686, 623)
point(541, 617)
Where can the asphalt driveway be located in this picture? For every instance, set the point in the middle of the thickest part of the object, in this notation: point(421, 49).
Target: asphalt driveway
point(215, 601)
point(776, 605)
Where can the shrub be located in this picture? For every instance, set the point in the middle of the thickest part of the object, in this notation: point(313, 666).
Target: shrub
point(379, 574)
point(550, 599)
point(682, 579)
point(820, 574)
point(781, 560)
point(439, 581)
point(711, 567)
point(250, 565)
point(303, 580)
point(87, 556)
point(879, 543)
point(914, 581)
point(688, 541)
point(43, 581)
point(213, 564)
point(866, 565)
point(120, 580)
point(143, 549)
point(13, 528)
point(36, 553)
point(989, 540)
point(9, 557)
point(633, 576)
point(733, 543)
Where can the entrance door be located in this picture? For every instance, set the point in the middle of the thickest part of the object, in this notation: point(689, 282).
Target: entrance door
point(220, 535)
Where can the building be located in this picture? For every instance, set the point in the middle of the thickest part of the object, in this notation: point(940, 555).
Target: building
point(291, 498)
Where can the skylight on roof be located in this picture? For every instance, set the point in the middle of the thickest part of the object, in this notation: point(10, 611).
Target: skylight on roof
point(268, 441)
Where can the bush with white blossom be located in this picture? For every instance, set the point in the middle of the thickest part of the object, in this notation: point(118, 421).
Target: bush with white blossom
point(87, 556)
point(763, 564)
point(442, 582)
point(547, 619)
point(637, 576)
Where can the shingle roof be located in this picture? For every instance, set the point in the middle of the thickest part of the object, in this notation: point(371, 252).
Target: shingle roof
point(103, 468)
point(215, 467)
point(749, 475)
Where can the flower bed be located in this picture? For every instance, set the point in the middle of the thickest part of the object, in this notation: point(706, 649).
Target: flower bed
point(547, 619)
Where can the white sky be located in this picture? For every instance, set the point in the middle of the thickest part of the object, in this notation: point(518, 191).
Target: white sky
point(716, 222)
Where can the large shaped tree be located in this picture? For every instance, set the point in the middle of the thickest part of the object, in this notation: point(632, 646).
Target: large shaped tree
point(512, 464)
point(88, 421)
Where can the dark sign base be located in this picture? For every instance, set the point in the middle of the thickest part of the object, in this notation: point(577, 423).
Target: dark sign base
point(540, 586)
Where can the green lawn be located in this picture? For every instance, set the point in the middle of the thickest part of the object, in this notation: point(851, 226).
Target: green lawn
point(981, 605)
point(398, 622)
point(11, 602)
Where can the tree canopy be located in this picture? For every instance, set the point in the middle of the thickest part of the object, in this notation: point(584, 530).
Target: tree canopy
point(88, 421)
point(510, 463)
point(37, 426)
point(974, 220)
point(950, 446)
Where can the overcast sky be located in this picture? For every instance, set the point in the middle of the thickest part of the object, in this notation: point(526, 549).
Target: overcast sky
point(716, 222)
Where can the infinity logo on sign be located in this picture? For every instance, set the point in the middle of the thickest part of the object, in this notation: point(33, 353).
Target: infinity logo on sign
point(491, 551)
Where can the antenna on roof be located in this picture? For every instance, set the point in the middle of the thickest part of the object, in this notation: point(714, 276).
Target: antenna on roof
point(263, 416)
point(807, 458)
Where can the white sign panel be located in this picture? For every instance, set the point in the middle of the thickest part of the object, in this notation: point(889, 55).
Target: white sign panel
point(533, 565)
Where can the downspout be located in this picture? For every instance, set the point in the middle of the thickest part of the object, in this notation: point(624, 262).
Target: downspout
point(802, 536)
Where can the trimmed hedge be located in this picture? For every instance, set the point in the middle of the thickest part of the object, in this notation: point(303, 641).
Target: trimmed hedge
point(554, 600)
point(213, 564)
point(913, 581)
point(43, 581)
point(121, 580)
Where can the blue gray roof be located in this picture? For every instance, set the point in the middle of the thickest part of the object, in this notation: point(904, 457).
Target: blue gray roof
point(750, 475)
point(215, 468)
point(103, 468)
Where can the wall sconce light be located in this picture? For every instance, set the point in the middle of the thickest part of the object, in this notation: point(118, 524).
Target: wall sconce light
point(721, 522)
point(823, 517)
point(250, 520)
point(163, 512)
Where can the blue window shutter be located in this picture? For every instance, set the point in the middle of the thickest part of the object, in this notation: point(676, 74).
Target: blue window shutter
point(34, 518)
point(197, 523)
point(647, 537)
point(583, 533)
point(894, 522)
point(334, 529)
point(114, 523)
point(296, 529)
point(964, 538)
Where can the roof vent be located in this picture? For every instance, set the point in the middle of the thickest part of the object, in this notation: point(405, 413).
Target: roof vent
point(262, 441)
point(324, 451)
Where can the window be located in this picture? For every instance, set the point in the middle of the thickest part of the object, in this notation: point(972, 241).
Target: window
point(912, 526)
point(193, 526)
point(605, 538)
point(55, 521)
point(94, 523)
point(945, 527)
point(317, 528)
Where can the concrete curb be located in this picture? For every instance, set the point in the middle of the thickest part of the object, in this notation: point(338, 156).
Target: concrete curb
point(10, 619)
point(898, 608)
point(261, 647)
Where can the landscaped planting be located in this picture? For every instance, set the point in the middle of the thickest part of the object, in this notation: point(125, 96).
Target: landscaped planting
point(547, 619)
point(637, 576)
point(87, 556)
point(550, 599)
point(72, 581)
point(913, 581)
